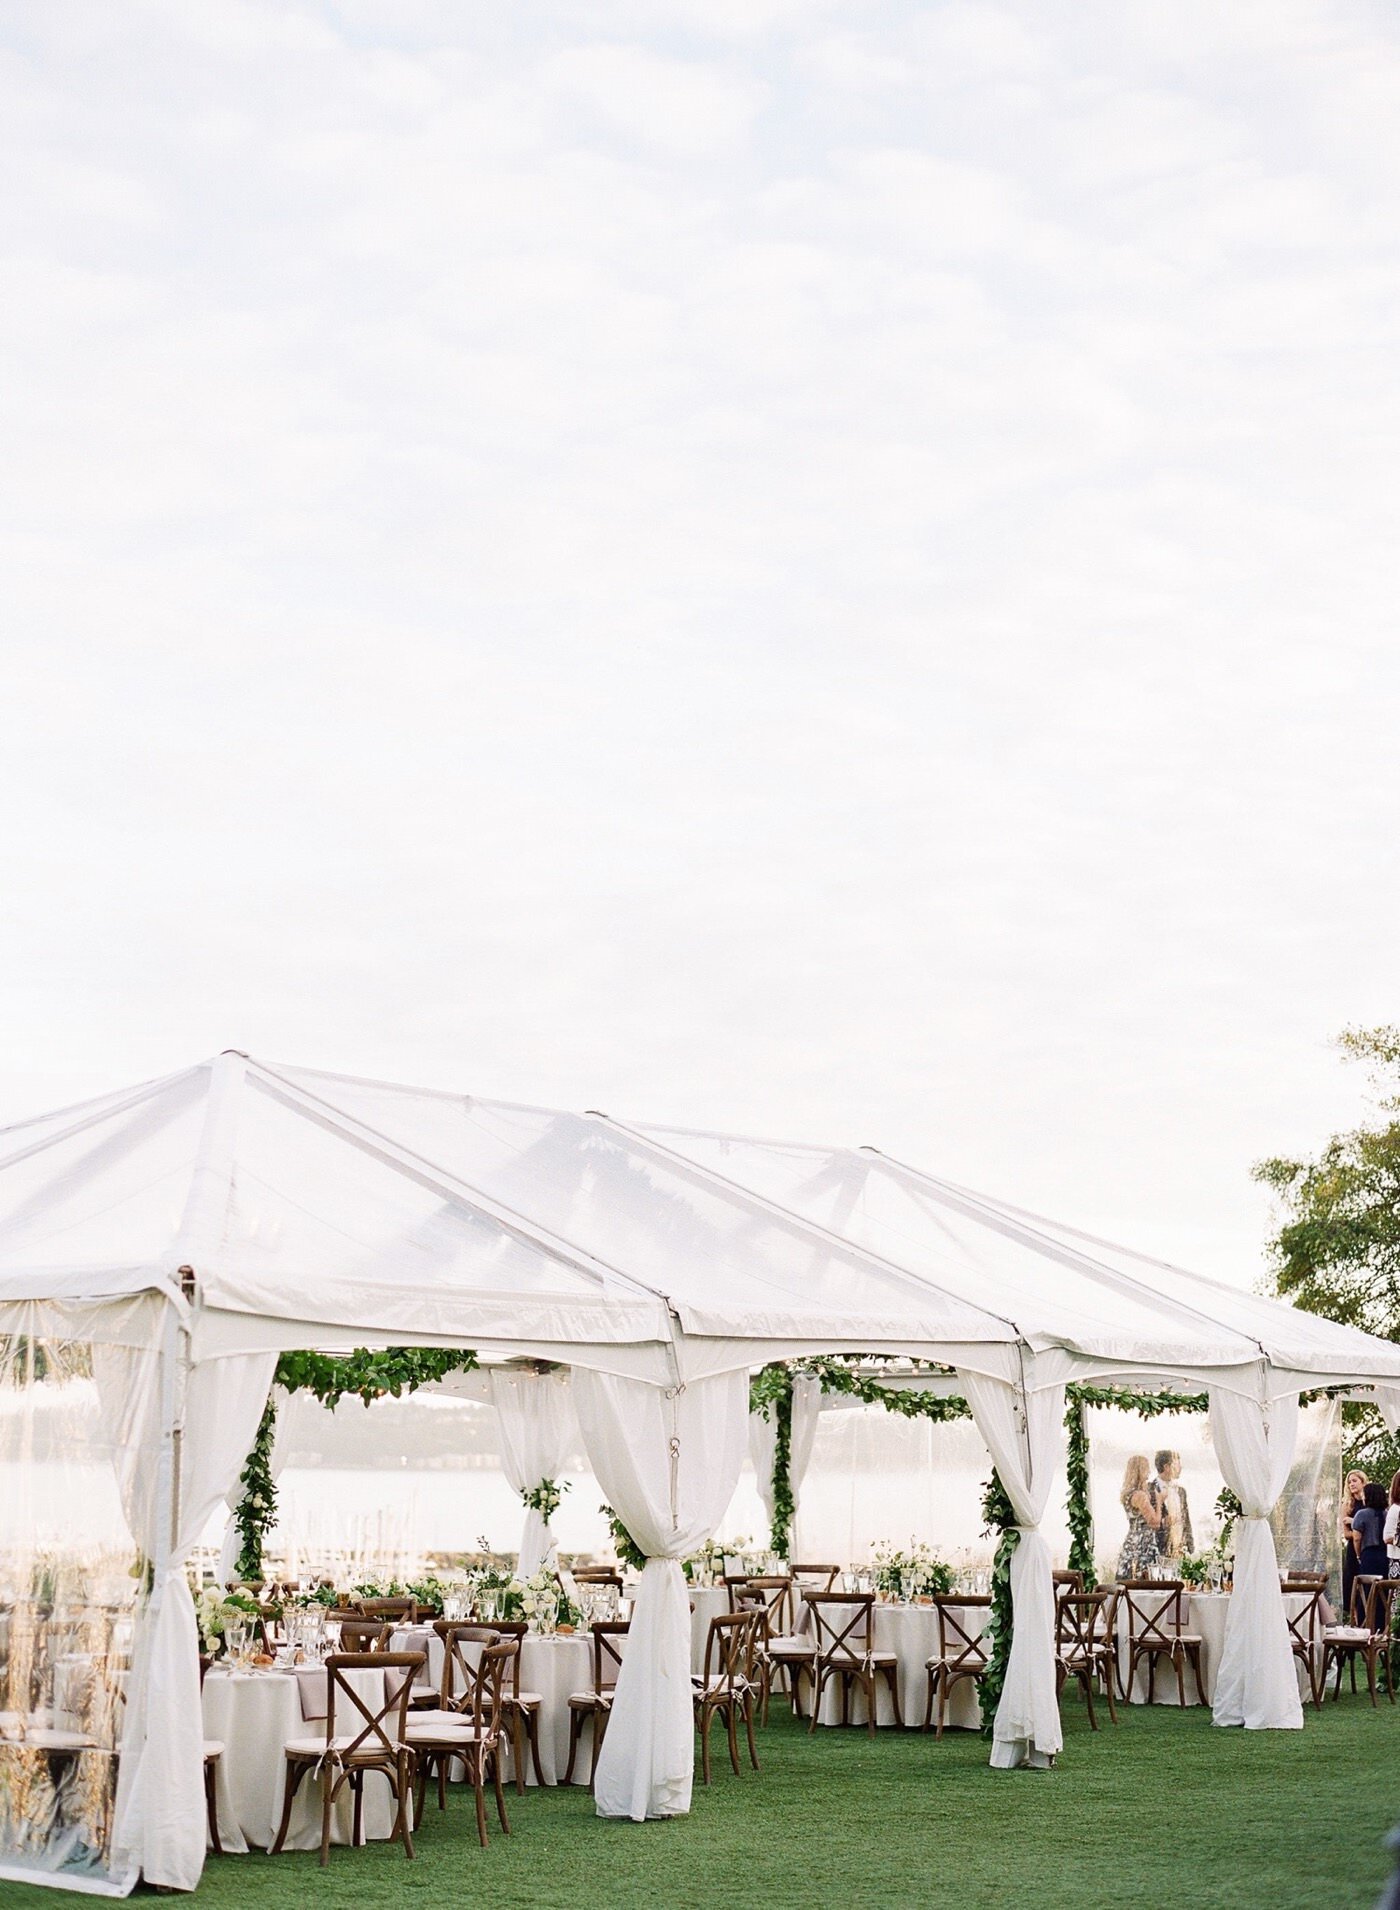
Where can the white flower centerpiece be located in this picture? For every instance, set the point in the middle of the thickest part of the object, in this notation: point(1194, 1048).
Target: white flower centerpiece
point(539, 1603)
point(917, 1572)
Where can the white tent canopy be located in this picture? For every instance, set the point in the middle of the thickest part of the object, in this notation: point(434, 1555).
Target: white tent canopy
point(211, 1218)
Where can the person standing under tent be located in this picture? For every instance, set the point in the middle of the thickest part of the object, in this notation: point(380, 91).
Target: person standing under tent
point(1174, 1535)
point(1391, 1531)
point(1367, 1527)
point(1140, 1502)
point(1353, 1490)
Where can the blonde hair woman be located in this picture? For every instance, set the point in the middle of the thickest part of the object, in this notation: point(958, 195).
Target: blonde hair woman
point(1353, 1498)
point(1144, 1512)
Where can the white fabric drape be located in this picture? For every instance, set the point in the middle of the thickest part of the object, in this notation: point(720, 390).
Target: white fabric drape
point(1256, 1684)
point(668, 1463)
point(160, 1807)
point(1023, 1432)
point(763, 1440)
point(538, 1433)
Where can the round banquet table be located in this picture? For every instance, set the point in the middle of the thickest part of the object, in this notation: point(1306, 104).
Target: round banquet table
point(1203, 1613)
point(253, 1714)
point(555, 1667)
point(911, 1633)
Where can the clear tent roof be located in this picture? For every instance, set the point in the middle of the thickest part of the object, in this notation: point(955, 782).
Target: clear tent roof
point(320, 1209)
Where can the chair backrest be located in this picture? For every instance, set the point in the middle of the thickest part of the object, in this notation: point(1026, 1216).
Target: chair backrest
point(364, 1634)
point(463, 1647)
point(1068, 1580)
point(517, 1629)
point(371, 1727)
point(844, 1623)
point(402, 1611)
point(1303, 1581)
point(771, 1596)
point(1305, 1625)
point(959, 1645)
point(609, 1642)
point(1081, 1623)
point(1378, 1612)
point(598, 1575)
point(1153, 1606)
point(729, 1649)
point(816, 1578)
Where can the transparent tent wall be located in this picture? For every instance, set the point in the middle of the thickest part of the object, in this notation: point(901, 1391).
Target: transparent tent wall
point(68, 1587)
point(1305, 1522)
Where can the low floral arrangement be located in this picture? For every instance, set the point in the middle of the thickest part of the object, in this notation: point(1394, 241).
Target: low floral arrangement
point(915, 1573)
point(540, 1600)
point(216, 1610)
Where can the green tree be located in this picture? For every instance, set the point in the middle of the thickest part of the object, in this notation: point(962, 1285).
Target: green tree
point(1335, 1248)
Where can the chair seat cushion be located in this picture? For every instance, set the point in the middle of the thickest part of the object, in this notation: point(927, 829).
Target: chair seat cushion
point(857, 1658)
point(522, 1700)
point(790, 1645)
point(590, 1700)
point(1346, 1635)
point(968, 1666)
point(717, 1682)
point(1169, 1643)
point(460, 1733)
point(318, 1748)
point(212, 1750)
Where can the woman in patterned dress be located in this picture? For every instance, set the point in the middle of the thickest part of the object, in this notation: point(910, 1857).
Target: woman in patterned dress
point(1139, 1501)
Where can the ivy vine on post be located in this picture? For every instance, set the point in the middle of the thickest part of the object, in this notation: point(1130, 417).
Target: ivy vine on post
point(626, 1547)
point(999, 1517)
point(329, 1377)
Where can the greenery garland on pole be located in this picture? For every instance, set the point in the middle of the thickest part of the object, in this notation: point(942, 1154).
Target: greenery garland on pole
point(998, 1516)
point(329, 1377)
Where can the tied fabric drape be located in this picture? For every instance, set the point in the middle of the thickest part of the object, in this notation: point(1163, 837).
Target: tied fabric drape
point(160, 1799)
point(763, 1440)
point(538, 1434)
point(1256, 1684)
point(668, 1462)
point(1022, 1431)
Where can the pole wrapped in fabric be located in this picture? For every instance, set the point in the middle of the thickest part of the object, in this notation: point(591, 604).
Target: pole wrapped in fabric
point(763, 1441)
point(1256, 1684)
point(668, 1462)
point(538, 1433)
point(1022, 1434)
point(160, 1821)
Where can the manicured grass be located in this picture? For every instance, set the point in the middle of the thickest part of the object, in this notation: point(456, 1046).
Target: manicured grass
point(1166, 1810)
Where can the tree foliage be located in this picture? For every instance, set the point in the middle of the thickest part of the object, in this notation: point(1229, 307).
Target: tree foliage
point(1335, 1248)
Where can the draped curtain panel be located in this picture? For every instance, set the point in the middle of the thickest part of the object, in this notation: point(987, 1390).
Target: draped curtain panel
point(539, 1431)
point(1024, 1436)
point(160, 1799)
point(668, 1463)
point(1256, 1684)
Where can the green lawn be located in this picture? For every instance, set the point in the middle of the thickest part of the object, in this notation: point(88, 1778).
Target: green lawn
point(1165, 1811)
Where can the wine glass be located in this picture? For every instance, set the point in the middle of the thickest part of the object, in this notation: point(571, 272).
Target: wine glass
point(236, 1642)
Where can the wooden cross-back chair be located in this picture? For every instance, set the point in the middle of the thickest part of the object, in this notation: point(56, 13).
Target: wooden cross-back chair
point(728, 1686)
point(769, 1598)
point(396, 1611)
point(470, 1728)
point(1305, 1635)
point(962, 1654)
point(844, 1635)
point(1370, 1640)
point(520, 1709)
point(599, 1575)
point(814, 1578)
point(376, 1740)
point(1085, 1648)
point(1157, 1630)
point(609, 1637)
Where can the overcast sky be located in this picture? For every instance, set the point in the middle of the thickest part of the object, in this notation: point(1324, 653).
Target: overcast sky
point(824, 569)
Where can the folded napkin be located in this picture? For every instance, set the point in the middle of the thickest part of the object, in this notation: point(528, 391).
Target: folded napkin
point(312, 1682)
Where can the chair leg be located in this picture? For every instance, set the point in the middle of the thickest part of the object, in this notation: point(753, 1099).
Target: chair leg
point(731, 1727)
point(928, 1701)
point(532, 1732)
point(357, 1820)
point(518, 1751)
point(479, 1792)
point(405, 1789)
point(211, 1778)
point(892, 1675)
point(291, 1785)
point(818, 1684)
point(500, 1793)
point(748, 1726)
point(706, 1713)
point(1109, 1681)
point(1086, 1678)
point(327, 1806)
point(575, 1733)
point(944, 1693)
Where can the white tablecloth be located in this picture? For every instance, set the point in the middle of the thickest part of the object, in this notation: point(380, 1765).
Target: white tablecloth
point(911, 1633)
point(1204, 1613)
point(554, 1667)
point(253, 1714)
point(710, 1601)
